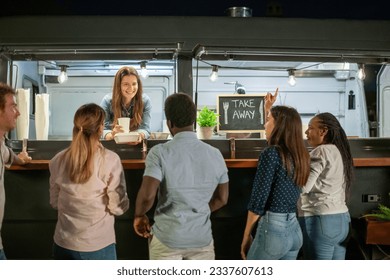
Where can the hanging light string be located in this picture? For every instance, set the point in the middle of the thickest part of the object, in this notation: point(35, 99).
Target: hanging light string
point(63, 76)
point(291, 72)
point(271, 68)
point(144, 71)
point(214, 73)
point(361, 72)
point(291, 77)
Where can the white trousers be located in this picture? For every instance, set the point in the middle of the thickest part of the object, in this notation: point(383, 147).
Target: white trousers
point(158, 251)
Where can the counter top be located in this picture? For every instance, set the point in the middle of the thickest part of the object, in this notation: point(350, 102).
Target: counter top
point(230, 163)
point(238, 153)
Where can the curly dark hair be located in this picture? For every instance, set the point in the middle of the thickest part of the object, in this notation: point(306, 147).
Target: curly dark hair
point(180, 110)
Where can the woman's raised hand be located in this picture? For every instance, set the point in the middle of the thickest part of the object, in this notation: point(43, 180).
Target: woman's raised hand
point(269, 100)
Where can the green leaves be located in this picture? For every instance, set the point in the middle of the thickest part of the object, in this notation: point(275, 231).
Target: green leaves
point(383, 213)
point(207, 118)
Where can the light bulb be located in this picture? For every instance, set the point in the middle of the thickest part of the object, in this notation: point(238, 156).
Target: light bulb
point(214, 73)
point(63, 76)
point(361, 73)
point(291, 78)
point(144, 71)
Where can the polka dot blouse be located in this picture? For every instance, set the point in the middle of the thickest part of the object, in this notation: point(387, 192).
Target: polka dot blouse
point(273, 190)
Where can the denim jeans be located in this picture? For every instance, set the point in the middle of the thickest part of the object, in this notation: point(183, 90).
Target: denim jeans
point(325, 236)
point(278, 237)
point(2, 255)
point(107, 253)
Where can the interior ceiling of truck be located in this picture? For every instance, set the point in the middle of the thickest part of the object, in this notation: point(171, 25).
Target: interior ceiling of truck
point(166, 67)
point(106, 60)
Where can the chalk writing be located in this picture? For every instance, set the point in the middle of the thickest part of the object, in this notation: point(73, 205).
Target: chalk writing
point(241, 113)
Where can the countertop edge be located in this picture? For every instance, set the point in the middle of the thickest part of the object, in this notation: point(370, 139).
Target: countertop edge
point(230, 163)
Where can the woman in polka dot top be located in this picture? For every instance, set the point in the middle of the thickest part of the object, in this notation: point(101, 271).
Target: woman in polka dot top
point(283, 169)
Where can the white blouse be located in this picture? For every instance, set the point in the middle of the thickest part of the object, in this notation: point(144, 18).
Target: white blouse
point(324, 192)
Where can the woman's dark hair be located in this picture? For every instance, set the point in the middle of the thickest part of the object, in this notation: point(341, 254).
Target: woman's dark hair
point(336, 136)
point(287, 137)
point(180, 110)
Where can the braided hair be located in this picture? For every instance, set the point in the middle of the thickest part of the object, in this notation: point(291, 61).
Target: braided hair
point(336, 136)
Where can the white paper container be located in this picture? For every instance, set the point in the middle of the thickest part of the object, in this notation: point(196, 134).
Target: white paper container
point(126, 137)
point(42, 116)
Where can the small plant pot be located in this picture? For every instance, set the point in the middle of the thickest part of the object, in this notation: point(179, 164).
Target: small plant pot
point(205, 132)
point(377, 231)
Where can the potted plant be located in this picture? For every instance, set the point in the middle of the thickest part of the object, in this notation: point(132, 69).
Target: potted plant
point(382, 213)
point(206, 120)
point(378, 226)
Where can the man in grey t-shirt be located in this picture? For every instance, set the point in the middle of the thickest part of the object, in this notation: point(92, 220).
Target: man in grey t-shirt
point(191, 180)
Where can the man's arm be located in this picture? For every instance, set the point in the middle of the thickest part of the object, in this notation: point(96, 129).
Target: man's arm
point(220, 197)
point(145, 199)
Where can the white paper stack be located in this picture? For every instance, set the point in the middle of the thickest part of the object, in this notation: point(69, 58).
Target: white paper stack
point(23, 121)
point(42, 116)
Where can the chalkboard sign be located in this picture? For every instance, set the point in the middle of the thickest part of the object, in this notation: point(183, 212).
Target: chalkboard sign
point(241, 112)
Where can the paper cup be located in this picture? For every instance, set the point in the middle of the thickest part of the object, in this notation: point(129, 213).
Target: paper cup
point(125, 124)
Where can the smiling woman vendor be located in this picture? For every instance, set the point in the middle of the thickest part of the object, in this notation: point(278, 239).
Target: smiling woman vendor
point(127, 100)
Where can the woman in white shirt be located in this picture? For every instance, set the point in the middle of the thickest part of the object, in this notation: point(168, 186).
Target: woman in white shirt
point(323, 213)
point(87, 186)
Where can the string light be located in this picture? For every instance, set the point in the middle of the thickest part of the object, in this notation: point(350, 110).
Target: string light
point(63, 76)
point(361, 73)
point(214, 73)
point(291, 78)
point(144, 71)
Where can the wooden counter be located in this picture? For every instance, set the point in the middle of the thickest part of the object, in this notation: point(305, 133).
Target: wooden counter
point(231, 163)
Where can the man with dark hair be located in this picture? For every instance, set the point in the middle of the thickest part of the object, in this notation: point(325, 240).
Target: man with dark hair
point(8, 115)
point(194, 183)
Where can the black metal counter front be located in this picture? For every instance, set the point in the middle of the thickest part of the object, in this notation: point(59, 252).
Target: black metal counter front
point(29, 220)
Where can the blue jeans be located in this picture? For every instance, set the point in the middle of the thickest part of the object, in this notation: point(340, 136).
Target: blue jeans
point(2, 255)
point(278, 237)
point(107, 253)
point(325, 236)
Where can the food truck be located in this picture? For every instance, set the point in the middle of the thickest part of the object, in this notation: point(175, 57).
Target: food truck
point(252, 56)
